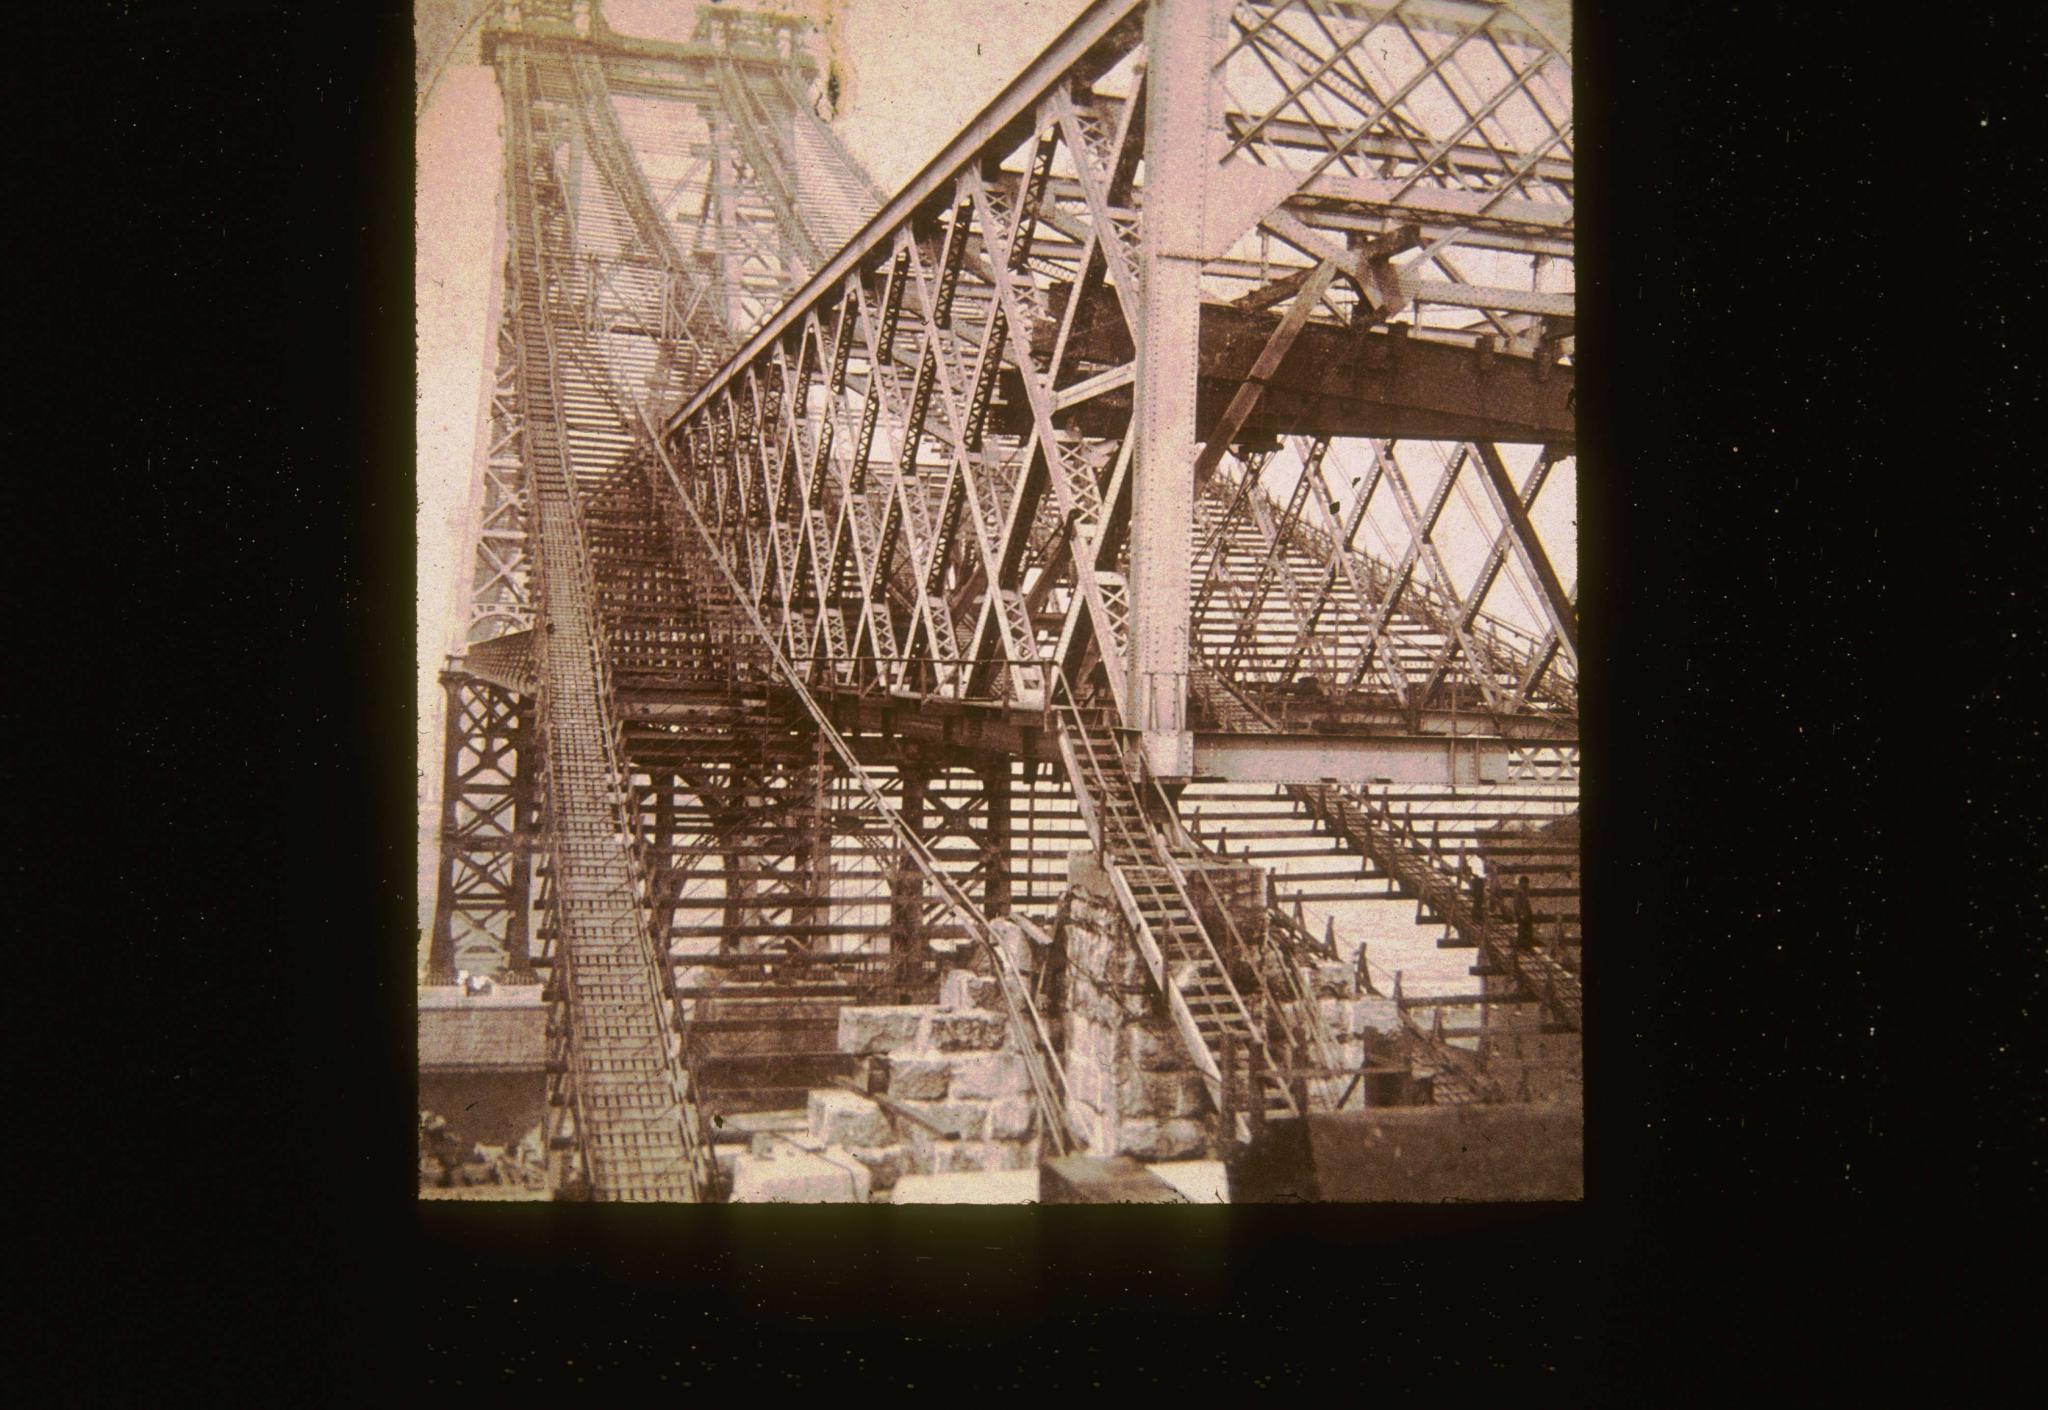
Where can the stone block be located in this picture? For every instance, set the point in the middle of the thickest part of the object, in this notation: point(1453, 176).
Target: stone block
point(1095, 1179)
point(954, 1119)
point(1331, 979)
point(843, 1118)
point(1160, 1094)
point(985, 1078)
point(1096, 1128)
point(1201, 1181)
point(1124, 970)
point(1338, 1015)
point(1169, 1138)
point(973, 1028)
point(1157, 1048)
point(1352, 1018)
point(862, 1185)
point(1080, 1003)
point(1086, 1083)
point(1104, 1001)
point(984, 1187)
point(953, 985)
point(920, 1148)
point(1108, 1041)
point(885, 1164)
point(950, 1157)
point(964, 989)
point(1010, 936)
point(1012, 1118)
point(1085, 874)
point(1084, 1039)
point(882, 1028)
point(956, 1157)
point(799, 1177)
point(1377, 1015)
point(920, 1078)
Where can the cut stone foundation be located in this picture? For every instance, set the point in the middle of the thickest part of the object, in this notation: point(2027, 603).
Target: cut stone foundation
point(958, 1101)
point(1131, 1087)
point(790, 1170)
point(944, 1093)
point(1359, 1024)
point(995, 1187)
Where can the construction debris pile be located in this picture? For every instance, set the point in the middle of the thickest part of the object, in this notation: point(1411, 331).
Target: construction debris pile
point(940, 1089)
point(444, 1164)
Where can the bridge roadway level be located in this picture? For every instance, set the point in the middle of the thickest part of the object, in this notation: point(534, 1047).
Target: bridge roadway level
point(1433, 746)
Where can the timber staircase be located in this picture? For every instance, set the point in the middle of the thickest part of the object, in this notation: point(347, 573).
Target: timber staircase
point(1419, 868)
point(1229, 1024)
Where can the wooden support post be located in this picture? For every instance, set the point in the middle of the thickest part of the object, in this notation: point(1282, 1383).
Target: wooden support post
point(1255, 1090)
point(1227, 1117)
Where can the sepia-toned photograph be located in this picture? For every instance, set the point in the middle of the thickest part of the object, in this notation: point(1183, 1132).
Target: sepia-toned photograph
point(997, 601)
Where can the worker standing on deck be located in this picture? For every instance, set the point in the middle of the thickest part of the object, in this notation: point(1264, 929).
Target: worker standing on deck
point(1525, 916)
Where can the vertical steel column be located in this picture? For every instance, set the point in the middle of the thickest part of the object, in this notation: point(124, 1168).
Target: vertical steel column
point(1178, 42)
point(907, 887)
point(714, 216)
point(812, 788)
point(995, 789)
point(665, 783)
point(730, 822)
point(441, 948)
point(525, 827)
point(488, 823)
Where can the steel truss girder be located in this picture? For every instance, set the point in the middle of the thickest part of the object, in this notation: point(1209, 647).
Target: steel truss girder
point(1495, 653)
point(964, 366)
